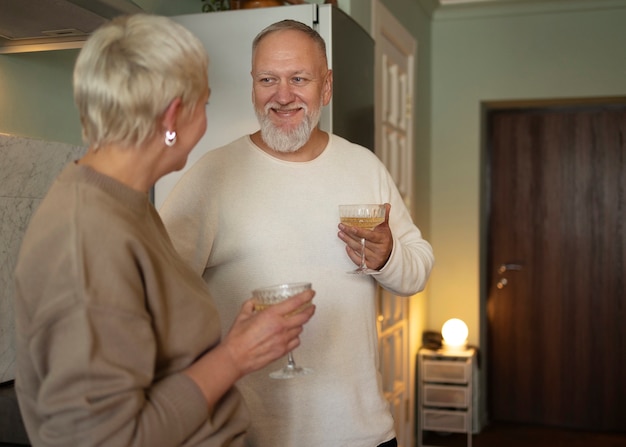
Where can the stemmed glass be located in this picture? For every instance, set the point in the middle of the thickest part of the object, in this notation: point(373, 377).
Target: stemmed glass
point(363, 216)
point(268, 296)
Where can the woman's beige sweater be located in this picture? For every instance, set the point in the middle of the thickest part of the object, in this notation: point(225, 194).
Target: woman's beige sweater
point(107, 317)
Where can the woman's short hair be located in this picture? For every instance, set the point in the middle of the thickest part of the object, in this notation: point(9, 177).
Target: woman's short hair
point(129, 71)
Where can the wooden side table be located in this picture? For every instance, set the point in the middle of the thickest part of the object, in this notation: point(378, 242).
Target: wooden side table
point(447, 392)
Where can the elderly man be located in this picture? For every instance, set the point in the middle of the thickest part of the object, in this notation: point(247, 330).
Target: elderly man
point(264, 210)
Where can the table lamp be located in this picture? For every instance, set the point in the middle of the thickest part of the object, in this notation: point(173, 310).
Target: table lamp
point(454, 332)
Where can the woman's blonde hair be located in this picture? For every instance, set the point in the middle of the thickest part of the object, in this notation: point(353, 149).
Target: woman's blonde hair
point(129, 71)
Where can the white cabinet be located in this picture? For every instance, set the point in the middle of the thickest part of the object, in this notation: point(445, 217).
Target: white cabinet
point(447, 392)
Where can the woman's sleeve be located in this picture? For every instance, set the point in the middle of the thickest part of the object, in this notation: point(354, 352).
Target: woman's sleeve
point(98, 379)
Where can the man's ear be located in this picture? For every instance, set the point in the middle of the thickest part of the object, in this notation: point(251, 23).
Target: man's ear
point(328, 88)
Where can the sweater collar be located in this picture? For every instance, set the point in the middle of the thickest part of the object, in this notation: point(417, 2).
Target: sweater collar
point(119, 191)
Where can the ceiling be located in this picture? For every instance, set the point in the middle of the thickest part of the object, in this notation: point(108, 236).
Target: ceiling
point(444, 3)
point(457, 2)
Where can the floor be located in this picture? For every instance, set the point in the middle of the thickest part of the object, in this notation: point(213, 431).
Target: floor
point(506, 435)
point(503, 435)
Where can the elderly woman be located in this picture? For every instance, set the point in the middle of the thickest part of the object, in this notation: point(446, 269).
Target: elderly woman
point(118, 341)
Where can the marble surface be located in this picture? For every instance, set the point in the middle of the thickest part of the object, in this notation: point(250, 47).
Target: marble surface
point(27, 169)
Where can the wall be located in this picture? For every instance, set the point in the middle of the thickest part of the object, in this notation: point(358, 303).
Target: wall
point(36, 88)
point(36, 99)
point(545, 51)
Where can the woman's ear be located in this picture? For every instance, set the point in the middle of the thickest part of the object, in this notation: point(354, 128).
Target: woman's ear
point(171, 114)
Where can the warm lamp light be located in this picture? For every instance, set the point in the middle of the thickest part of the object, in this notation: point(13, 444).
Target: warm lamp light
point(454, 332)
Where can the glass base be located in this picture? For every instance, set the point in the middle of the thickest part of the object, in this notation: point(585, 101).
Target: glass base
point(362, 271)
point(289, 372)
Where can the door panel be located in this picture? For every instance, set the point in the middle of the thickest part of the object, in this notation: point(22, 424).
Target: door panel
point(395, 53)
point(556, 337)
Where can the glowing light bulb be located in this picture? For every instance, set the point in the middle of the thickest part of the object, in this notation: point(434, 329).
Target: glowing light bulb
point(454, 332)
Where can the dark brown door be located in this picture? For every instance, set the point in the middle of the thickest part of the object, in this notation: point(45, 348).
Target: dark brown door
point(556, 305)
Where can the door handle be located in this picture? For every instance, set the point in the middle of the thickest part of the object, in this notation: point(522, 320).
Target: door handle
point(508, 267)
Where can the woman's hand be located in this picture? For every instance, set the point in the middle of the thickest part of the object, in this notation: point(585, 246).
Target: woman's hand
point(256, 339)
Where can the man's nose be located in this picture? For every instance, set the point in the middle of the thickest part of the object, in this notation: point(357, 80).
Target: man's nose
point(284, 93)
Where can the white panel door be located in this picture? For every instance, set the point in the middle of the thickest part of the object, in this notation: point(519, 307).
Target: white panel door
point(394, 80)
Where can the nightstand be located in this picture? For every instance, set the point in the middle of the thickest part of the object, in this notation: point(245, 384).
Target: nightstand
point(447, 393)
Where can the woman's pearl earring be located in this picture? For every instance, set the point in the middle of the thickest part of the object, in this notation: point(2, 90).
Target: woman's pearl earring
point(170, 138)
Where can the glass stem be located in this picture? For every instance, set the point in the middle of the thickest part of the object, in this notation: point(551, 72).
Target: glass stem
point(291, 363)
point(363, 266)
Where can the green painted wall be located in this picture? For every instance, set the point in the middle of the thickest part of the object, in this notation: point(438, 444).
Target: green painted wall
point(487, 54)
point(36, 96)
point(36, 88)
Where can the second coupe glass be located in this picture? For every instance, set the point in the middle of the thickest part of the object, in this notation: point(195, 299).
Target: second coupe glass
point(363, 216)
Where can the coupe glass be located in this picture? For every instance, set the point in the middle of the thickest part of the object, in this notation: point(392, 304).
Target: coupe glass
point(268, 296)
point(363, 216)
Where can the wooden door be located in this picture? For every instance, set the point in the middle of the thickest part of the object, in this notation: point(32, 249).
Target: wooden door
point(394, 58)
point(556, 305)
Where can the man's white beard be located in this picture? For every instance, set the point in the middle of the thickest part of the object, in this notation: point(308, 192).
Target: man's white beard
point(286, 141)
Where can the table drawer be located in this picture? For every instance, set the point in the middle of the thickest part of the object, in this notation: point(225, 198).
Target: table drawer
point(441, 420)
point(446, 371)
point(446, 396)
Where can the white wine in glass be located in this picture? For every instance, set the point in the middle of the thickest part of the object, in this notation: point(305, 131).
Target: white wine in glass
point(268, 296)
point(367, 216)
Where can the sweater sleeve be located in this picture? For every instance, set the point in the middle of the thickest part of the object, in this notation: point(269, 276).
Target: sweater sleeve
point(412, 259)
point(108, 396)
